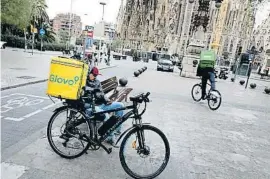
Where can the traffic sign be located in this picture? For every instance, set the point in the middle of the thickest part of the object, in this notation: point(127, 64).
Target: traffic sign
point(41, 31)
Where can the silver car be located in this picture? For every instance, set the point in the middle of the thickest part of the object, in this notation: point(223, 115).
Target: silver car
point(165, 65)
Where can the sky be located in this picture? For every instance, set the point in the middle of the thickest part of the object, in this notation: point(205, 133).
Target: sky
point(94, 10)
point(81, 7)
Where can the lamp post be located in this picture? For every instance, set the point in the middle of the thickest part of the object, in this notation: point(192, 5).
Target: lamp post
point(70, 20)
point(103, 5)
point(102, 21)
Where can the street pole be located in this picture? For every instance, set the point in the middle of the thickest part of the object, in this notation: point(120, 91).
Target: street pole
point(25, 40)
point(41, 44)
point(33, 37)
point(70, 16)
point(102, 20)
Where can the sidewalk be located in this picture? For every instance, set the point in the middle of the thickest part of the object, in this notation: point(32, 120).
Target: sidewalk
point(19, 68)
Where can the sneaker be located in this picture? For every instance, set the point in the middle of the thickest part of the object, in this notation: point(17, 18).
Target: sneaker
point(204, 97)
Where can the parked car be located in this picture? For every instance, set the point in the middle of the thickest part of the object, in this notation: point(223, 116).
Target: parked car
point(165, 65)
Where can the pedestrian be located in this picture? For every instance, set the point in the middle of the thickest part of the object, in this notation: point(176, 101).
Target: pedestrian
point(95, 59)
point(103, 103)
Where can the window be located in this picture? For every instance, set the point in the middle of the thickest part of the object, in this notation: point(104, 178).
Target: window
point(163, 9)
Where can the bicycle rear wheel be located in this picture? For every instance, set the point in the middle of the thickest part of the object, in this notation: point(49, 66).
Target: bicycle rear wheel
point(139, 142)
point(65, 130)
point(196, 92)
point(214, 100)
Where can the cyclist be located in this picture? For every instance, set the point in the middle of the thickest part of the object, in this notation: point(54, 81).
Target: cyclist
point(102, 102)
point(207, 71)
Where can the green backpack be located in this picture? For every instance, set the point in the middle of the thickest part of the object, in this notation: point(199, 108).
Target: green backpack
point(207, 59)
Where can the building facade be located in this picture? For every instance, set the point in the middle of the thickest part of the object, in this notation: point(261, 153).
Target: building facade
point(261, 41)
point(61, 26)
point(162, 25)
point(104, 31)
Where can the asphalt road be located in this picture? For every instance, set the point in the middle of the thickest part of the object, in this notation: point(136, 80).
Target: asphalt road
point(232, 142)
point(27, 109)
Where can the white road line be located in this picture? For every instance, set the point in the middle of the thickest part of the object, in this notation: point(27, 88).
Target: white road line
point(32, 113)
point(42, 97)
point(51, 105)
point(14, 118)
point(9, 95)
point(12, 171)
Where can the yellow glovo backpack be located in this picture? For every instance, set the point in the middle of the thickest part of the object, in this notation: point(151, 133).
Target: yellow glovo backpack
point(67, 77)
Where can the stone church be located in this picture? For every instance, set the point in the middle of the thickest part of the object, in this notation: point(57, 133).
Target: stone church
point(168, 25)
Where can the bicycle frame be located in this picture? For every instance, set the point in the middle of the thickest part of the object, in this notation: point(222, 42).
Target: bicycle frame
point(133, 113)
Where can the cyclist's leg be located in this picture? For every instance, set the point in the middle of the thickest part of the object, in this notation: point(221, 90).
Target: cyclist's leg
point(115, 105)
point(204, 83)
point(212, 80)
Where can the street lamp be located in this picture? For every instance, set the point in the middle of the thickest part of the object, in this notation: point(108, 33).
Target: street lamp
point(103, 4)
point(69, 31)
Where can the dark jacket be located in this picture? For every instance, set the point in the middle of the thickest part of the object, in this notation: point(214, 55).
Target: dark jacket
point(204, 71)
point(101, 98)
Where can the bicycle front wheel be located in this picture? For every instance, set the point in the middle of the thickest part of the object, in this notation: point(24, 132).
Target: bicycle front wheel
point(214, 100)
point(141, 144)
point(196, 92)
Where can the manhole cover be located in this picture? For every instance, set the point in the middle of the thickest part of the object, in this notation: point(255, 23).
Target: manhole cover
point(18, 68)
point(26, 77)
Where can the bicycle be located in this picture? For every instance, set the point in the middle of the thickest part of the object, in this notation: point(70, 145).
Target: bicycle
point(93, 136)
point(213, 96)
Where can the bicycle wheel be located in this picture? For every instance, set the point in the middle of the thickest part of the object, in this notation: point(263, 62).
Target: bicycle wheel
point(66, 139)
point(214, 100)
point(140, 149)
point(196, 92)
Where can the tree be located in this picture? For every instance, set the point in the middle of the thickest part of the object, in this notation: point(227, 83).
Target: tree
point(38, 11)
point(16, 12)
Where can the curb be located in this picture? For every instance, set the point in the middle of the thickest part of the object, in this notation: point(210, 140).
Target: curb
point(24, 84)
point(41, 81)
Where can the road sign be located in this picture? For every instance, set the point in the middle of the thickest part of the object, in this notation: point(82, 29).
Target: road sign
point(41, 31)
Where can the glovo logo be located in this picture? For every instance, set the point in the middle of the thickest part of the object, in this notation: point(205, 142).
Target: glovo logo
point(70, 82)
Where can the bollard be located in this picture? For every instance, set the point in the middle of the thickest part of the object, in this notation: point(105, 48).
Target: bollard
point(267, 90)
point(136, 73)
point(252, 85)
point(242, 82)
point(123, 82)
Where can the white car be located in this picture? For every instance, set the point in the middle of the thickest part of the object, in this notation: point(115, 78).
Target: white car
point(165, 65)
point(3, 44)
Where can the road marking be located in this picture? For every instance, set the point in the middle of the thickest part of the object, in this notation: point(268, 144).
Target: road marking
point(14, 119)
point(12, 171)
point(51, 105)
point(34, 96)
point(32, 113)
point(9, 95)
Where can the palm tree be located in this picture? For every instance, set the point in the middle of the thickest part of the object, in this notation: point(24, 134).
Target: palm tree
point(38, 11)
